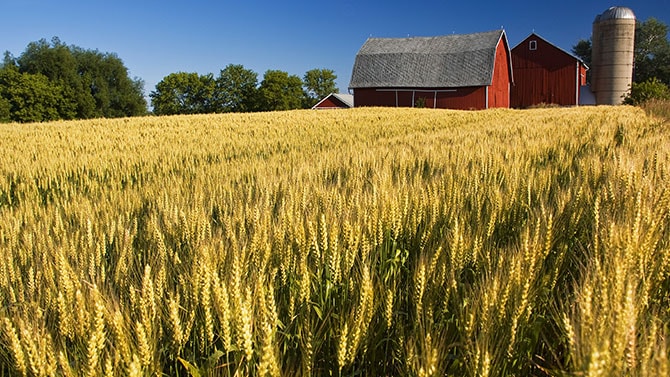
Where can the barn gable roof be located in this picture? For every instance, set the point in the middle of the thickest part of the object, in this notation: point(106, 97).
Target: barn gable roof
point(537, 36)
point(427, 62)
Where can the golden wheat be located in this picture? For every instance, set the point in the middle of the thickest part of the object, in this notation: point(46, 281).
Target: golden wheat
point(362, 242)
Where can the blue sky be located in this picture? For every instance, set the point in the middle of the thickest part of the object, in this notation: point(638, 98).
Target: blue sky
point(155, 38)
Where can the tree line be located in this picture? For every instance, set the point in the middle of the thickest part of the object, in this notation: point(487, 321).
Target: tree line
point(236, 89)
point(51, 80)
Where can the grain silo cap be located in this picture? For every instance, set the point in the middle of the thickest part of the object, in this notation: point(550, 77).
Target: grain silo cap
point(616, 13)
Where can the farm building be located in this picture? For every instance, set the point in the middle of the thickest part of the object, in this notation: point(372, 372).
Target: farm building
point(469, 71)
point(544, 73)
point(335, 101)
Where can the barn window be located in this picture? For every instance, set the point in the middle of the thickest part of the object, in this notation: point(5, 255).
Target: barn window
point(532, 45)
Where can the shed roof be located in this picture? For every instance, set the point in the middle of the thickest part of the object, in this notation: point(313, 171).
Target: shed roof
point(428, 62)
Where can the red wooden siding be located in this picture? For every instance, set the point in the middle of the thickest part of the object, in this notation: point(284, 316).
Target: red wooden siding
point(499, 91)
point(546, 74)
point(470, 98)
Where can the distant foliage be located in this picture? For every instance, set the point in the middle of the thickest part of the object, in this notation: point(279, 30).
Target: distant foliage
point(57, 81)
point(652, 89)
point(237, 90)
point(652, 52)
point(280, 91)
point(183, 93)
point(318, 83)
point(28, 97)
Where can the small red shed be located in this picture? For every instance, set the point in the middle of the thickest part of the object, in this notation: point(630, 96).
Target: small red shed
point(469, 71)
point(545, 73)
point(335, 101)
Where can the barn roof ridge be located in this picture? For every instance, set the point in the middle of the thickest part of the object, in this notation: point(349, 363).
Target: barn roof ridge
point(455, 60)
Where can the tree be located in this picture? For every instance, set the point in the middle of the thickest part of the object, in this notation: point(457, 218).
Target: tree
point(5, 110)
point(236, 89)
point(652, 51)
point(105, 76)
point(96, 83)
point(280, 91)
point(183, 93)
point(318, 84)
point(55, 61)
point(26, 97)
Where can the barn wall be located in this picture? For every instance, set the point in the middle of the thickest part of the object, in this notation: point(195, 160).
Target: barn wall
point(370, 97)
point(442, 98)
point(544, 75)
point(499, 91)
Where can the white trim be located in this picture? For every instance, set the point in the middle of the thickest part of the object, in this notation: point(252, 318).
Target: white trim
point(532, 45)
point(577, 77)
point(486, 105)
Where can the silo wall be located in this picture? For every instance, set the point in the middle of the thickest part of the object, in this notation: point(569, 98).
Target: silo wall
point(613, 46)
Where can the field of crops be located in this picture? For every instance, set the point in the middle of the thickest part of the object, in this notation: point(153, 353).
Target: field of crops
point(365, 242)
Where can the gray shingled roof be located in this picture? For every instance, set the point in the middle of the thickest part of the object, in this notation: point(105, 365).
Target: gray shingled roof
point(427, 62)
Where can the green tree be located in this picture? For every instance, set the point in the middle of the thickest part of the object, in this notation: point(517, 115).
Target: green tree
point(236, 89)
point(652, 51)
point(183, 93)
point(280, 91)
point(55, 61)
point(26, 97)
point(318, 84)
point(96, 83)
point(8, 60)
point(106, 78)
point(5, 110)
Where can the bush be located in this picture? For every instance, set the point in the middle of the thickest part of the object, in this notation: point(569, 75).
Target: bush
point(651, 89)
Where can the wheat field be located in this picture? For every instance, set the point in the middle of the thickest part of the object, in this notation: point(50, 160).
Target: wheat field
point(365, 242)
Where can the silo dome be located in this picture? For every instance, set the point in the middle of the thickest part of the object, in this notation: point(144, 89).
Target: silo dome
point(616, 13)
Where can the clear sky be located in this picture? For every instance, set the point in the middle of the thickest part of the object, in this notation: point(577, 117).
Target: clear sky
point(155, 38)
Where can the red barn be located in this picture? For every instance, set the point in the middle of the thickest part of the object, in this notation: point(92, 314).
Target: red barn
point(335, 101)
point(544, 73)
point(470, 71)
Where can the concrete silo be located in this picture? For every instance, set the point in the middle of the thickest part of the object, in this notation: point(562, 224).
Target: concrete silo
point(613, 43)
